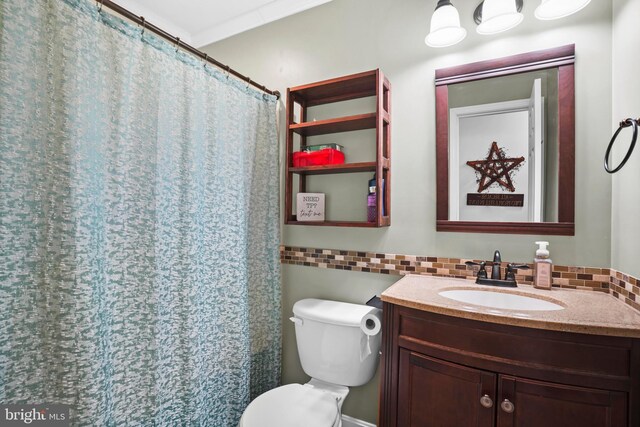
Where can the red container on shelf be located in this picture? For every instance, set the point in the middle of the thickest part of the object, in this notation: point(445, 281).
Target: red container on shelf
point(326, 156)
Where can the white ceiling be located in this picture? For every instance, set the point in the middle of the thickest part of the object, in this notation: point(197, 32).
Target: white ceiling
point(201, 22)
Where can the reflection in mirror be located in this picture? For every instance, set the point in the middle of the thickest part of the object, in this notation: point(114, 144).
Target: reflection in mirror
point(519, 114)
point(505, 144)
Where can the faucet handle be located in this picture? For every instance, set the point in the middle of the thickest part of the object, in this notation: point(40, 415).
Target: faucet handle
point(482, 273)
point(511, 275)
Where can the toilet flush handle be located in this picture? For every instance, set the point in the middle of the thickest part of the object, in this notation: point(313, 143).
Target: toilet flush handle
point(296, 320)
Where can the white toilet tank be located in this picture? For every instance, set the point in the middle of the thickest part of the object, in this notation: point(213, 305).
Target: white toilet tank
point(332, 345)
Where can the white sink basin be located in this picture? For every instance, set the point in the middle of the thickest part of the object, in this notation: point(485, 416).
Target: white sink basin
point(507, 301)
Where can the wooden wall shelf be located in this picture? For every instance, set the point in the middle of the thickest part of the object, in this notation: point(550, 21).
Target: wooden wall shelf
point(330, 169)
point(336, 223)
point(368, 84)
point(342, 124)
point(354, 86)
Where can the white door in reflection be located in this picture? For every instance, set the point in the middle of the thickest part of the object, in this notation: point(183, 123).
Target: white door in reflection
point(536, 153)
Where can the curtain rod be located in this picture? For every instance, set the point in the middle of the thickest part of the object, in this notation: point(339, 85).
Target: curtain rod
point(162, 33)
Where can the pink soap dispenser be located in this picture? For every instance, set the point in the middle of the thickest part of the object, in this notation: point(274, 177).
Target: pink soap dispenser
point(543, 278)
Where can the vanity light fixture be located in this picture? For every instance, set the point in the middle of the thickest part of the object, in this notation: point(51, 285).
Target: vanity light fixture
point(445, 27)
point(496, 16)
point(492, 17)
point(556, 9)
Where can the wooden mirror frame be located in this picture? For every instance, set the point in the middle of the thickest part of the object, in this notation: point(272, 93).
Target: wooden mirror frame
point(563, 59)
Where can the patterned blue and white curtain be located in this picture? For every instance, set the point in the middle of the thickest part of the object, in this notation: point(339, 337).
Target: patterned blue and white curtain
point(139, 275)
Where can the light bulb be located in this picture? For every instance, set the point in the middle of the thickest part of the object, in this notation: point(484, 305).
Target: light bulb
point(499, 16)
point(445, 27)
point(556, 9)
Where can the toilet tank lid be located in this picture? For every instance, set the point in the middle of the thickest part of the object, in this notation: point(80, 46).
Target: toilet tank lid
point(332, 312)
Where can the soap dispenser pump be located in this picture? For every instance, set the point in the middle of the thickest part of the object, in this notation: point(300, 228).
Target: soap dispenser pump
point(543, 278)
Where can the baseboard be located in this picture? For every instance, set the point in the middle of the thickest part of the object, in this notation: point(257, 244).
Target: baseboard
point(348, 421)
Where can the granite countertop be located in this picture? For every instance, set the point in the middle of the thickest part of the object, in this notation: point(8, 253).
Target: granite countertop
point(587, 312)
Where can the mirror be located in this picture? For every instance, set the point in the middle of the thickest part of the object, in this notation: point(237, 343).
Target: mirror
point(505, 144)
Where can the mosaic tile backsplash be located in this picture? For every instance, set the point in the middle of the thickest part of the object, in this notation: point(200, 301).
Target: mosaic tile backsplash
point(606, 280)
point(625, 288)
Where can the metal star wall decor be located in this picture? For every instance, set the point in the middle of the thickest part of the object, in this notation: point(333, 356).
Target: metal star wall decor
point(496, 168)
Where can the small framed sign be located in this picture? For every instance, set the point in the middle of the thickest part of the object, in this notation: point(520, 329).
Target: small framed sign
point(310, 206)
point(499, 199)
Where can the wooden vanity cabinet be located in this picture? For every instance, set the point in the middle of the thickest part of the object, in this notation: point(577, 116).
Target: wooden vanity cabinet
point(434, 392)
point(443, 371)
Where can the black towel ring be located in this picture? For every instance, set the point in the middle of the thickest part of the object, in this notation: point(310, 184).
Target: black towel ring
point(623, 124)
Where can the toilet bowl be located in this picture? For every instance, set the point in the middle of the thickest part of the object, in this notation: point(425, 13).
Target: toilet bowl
point(338, 345)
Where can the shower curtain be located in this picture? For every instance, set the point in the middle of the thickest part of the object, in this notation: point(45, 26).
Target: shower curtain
point(139, 275)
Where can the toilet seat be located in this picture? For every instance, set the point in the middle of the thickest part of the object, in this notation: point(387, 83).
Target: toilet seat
point(293, 405)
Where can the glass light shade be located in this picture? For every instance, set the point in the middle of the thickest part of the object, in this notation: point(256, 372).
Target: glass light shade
point(499, 16)
point(556, 9)
point(445, 27)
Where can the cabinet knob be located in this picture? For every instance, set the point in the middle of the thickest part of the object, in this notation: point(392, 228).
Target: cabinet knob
point(507, 406)
point(486, 401)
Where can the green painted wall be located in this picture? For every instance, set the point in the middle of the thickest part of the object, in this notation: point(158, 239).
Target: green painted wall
point(349, 36)
point(625, 226)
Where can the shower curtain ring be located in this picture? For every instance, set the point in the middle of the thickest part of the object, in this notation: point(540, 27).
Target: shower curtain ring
point(177, 43)
point(227, 69)
point(100, 6)
point(206, 59)
point(248, 82)
point(144, 24)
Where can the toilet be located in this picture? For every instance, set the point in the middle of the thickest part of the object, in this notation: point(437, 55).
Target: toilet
point(338, 345)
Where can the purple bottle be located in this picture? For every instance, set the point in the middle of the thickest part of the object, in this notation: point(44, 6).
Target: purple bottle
point(372, 200)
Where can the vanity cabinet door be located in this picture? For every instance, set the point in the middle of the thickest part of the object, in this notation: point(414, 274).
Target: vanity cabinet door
point(435, 393)
point(532, 403)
